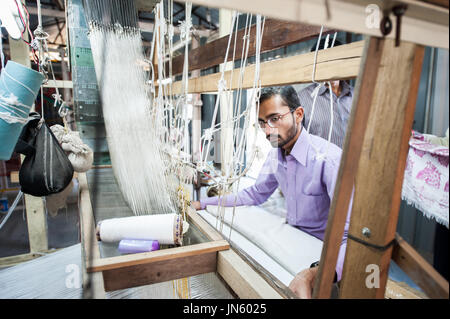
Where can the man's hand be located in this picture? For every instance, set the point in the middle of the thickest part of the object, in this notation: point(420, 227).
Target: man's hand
point(196, 205)
point(302, 285)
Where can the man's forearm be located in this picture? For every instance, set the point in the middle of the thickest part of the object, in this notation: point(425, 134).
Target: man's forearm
point(227, 201)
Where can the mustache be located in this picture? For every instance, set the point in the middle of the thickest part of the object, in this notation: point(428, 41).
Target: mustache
point(272, 136)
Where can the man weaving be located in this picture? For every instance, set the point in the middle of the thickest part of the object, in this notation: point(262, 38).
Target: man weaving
point(304, 166)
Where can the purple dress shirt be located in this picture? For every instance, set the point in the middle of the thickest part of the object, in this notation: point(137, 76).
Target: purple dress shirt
point(307, 181)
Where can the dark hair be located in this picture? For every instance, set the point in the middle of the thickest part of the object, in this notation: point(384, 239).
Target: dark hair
point(322, 44)
point(287, 93)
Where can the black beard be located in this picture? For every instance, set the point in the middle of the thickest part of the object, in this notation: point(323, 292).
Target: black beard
point(292, 132)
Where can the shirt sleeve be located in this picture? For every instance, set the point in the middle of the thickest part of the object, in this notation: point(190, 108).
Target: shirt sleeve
point(329, 179)
point(256, 194)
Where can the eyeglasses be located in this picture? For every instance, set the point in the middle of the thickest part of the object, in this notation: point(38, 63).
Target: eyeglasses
point(274, 121)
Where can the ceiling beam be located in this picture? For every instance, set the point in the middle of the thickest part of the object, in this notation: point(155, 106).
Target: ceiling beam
point(423, 23)
point(47, 12)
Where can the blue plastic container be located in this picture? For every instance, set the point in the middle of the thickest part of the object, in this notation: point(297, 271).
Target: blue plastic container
point(24, 83)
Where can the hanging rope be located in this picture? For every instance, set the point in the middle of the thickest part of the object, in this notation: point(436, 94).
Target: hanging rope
point(315, 93)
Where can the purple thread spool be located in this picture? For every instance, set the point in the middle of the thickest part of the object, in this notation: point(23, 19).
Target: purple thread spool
point(133, 246)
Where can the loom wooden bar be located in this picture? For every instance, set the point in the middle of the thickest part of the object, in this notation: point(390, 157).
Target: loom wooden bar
point(17, 259)
point(338, 63)
point(160, 271)
point(35, 211)
point(351, 151)
point(203, 225)
point(381, 166)
point(244, 281)
point(92, 283)
point(423, 23)
point(419, 270)
point(400, 290)
point(103, 264)
point(277, 34)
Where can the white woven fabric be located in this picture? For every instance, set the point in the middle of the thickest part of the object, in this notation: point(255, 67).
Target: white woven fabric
point(290, 247)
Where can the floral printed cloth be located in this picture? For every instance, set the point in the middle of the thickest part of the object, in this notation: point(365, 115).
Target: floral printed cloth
point(425, 184)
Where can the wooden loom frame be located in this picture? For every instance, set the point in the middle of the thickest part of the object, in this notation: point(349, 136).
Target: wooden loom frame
point(374, 61)
point(108, 274)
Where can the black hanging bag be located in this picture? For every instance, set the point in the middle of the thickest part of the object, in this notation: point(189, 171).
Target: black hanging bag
point(46, 169)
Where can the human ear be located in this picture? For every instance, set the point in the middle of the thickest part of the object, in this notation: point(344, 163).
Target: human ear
point(299, 114)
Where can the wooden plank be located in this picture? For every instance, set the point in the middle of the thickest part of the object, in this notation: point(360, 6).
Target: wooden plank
point(203, 225)
point(441, 3)
point(92, 283)
point(423, 23)
point(244, 281)
point(277, 34)
point(65, 84)
point(274, 282)
point(419, 270)
point(347, 170)
point(17, 259)
point(36, 217)
point(399, 290)
point(103, 264)
point(90, 244)
point(381, 167)
point(159, 271)
point(36, 223)
point(14, 177)
point(338, 63)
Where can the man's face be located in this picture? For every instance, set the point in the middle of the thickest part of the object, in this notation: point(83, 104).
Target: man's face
point(286, 122)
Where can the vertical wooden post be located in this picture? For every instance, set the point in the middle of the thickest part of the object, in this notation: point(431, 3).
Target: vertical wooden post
point(36, 218)
point(381, 168)
point(374, 161)
point(349, 164)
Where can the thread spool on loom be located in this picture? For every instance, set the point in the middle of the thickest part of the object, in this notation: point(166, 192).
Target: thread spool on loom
point(19, 86)
point(167, 229)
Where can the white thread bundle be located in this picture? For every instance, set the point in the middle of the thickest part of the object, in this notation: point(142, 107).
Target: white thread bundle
point(132, 130)
point(167, 229)
point(80, 155)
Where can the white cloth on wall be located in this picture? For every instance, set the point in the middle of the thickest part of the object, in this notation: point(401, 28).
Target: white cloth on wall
point(425, 183)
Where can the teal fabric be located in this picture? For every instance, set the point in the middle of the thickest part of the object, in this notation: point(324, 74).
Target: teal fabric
point(26, 94)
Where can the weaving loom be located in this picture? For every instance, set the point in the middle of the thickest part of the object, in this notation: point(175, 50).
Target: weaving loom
point(146, 192)
point(154, 130)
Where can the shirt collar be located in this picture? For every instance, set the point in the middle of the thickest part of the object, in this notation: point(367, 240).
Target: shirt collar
point(346, 89)
point(300, 149)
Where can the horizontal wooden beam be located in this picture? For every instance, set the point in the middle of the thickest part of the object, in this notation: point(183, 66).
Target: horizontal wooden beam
point(338, 63)
point(277, 34)
point(419, 270)
point(59, 84)
point(423, 23)
point(160, 271)
point(244, 281)
point(103, 264)
point(47, 12)
point(18, 259)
